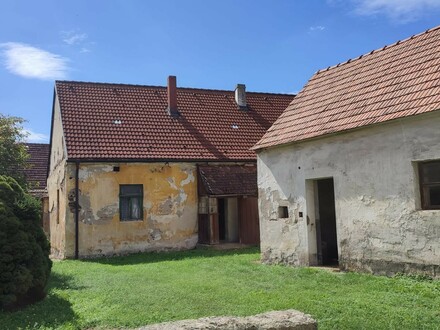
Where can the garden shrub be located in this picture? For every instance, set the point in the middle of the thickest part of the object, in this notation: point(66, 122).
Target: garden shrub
point(24, 250)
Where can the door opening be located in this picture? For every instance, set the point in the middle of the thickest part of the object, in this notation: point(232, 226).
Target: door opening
point(327, 243)
point(221, 219)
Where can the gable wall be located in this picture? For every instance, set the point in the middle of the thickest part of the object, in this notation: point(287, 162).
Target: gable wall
point(380, 225)
point(169, 208)
point(56, 186)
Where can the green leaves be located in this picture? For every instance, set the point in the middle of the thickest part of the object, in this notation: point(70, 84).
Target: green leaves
point(24, 250)
point(13, 153)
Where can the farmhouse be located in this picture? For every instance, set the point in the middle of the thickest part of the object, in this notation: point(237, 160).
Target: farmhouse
point(350, 172)
point(139, 168)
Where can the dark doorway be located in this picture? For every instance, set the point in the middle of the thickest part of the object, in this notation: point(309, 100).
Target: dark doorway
point(221, 219)
point(326, 224)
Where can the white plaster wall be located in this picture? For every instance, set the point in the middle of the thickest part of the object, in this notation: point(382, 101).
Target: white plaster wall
point(378, 215)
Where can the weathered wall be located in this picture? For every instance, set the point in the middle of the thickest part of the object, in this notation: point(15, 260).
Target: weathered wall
point(45, 216)
point(56, 186)
point(380, 226)
point(169, 208)
point(232, 219)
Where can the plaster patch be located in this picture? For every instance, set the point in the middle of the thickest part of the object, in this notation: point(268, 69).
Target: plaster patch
point(148, 205)
point(155, 235)
point(366, 200)
point(189, 179)
point(90, 171)
point(106, 214)
point(71, 199)
point(172, 183)
point(182, 197)
point(166, 207)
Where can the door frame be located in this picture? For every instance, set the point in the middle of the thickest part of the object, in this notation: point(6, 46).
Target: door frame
point(313, 221)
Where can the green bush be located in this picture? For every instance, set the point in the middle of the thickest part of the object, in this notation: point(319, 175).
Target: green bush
point(24, 249)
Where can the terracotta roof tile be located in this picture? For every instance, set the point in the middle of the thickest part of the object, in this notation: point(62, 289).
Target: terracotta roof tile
point(223, 180)
point(396, 81)
point(38, 161)
point(130, 122)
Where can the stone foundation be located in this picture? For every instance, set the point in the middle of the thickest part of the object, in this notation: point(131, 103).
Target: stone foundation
point(390, 268)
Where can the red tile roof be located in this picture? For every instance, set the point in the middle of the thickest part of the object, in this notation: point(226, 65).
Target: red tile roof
point(224, 180)
point(130, 122)
point(396, 81)
point(38, 160)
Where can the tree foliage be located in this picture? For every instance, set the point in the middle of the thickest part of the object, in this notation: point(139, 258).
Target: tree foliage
point(24, 249)
point(13, 153)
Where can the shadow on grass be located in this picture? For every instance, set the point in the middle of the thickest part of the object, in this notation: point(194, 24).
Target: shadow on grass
point(152, 257)
point(52, 312)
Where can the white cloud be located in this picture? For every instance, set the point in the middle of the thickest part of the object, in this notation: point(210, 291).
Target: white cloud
point(316, 28)
point(31, 62)
point(73, 38)
point(77, 40)
point(31, 136)
point(402, 10)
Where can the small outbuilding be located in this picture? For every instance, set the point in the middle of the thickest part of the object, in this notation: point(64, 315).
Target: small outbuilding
point(349, 174)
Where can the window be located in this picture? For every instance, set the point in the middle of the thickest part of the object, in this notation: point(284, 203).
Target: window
point(203, 205)
point(207, 205)
point(429, 176)
point(130, 202)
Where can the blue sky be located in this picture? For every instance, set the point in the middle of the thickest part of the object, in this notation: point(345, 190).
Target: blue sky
point(269, 45)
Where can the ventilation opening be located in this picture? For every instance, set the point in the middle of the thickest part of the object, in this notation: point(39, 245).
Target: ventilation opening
point(283, 212)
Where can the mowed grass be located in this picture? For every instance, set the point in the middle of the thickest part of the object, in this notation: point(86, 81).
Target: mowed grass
point(136, 290)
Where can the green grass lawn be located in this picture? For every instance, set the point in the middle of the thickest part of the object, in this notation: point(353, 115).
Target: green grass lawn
point(148, 288)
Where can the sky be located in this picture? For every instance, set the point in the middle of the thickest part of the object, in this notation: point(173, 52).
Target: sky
point(269, 45)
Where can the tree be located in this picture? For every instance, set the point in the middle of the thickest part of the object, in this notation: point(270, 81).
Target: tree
point(24, 249)
point(13, 153)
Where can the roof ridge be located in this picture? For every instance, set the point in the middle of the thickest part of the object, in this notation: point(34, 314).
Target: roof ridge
point(164, 87)
point(374, 51)
point(35, 143)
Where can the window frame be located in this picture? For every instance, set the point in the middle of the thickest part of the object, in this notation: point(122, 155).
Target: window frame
point(203, 205)
point(126, 197)
point(424, 186)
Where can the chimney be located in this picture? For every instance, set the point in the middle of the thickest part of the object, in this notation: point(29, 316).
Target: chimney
point(240, 96)
point(172, 96)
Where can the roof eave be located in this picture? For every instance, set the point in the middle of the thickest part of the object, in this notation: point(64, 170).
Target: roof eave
point(158, 160)
point(260, 148)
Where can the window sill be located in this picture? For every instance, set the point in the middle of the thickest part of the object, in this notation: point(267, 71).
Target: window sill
point(131, 221)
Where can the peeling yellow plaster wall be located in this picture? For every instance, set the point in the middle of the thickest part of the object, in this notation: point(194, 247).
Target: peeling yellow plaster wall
point(169, 208)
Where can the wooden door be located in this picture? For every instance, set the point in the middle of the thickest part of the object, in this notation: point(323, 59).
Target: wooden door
point(204, 230)
point(208, 229)
point(249, 226)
